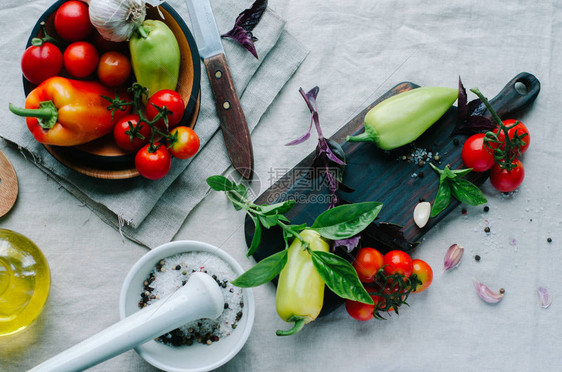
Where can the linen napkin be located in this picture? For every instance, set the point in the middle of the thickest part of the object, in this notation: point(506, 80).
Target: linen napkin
point(151, 212)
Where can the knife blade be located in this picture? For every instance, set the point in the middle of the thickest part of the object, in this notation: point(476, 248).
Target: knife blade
point(232, 120)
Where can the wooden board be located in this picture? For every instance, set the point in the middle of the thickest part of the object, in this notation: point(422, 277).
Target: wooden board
point(385, 176)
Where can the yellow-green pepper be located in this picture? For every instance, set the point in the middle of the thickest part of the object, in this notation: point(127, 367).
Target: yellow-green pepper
point(300, 290)
point(155, 56)
point(402, 118)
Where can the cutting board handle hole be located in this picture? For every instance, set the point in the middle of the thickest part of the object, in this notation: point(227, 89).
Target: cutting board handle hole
point(521, 87)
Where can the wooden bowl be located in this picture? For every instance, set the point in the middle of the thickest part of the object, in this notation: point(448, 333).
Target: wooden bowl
point(102, 158)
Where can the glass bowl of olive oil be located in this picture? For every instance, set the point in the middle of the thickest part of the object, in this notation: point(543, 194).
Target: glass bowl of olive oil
point(25, 281)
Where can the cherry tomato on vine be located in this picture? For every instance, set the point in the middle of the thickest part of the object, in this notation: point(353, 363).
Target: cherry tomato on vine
point(81, 59)
point(519, 130)
point(41, 62)
point(360, 311)
point(507, 180)
point(398, 262)
point(424, 273)
point(185, 143)
point(72, 21)
point(153, 164)
point(367, 263)
point(114, 68)
point(123, 136)
point(172, 101)
point(475, 155)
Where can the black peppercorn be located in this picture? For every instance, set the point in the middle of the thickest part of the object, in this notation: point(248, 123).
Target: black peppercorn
point(487, 229)
point(549, 239)
point(486, 209)
point(477, 258)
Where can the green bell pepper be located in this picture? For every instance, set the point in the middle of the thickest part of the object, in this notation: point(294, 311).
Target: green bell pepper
point(155, 56)
point(402, 118)
point(300, 289)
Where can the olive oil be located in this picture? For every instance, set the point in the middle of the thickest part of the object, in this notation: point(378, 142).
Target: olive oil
point(24, 282)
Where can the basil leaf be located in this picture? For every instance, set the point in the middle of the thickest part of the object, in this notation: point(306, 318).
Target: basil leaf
point(442, 199)
point(257, 236)
point(462, 172)
point(448, 173)
point(340, 276)
point(346, 220)
point(466, 192)
point(263, 271)
point(268, 221)
point(238, 195)
point(220, 183)
point(280, 208)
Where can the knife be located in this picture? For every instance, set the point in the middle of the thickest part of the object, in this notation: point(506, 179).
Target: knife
point(232, 121)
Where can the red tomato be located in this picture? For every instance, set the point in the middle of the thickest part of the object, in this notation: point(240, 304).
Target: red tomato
point(367, 263)
point(398, 262)
point(153, 164)
point(519, 130)
point(507, 180)
point(41, 62)
point(186, 142)
point(169, 99)
point(114, 68)
point(72, 21)
point(123, 136)
point(81, 59)
point(424, 273)
point(475, 155)
point(360, 311)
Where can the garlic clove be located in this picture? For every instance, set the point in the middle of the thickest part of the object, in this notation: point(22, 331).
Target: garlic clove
point(486, 294)
point(117, 20)
point(453, 257)
point(421, 213)
point(544, 297)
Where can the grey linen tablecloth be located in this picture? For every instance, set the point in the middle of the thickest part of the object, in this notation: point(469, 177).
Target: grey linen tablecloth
point(151, 212)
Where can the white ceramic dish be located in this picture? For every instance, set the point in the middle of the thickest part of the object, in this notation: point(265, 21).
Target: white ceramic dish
point(197, 357)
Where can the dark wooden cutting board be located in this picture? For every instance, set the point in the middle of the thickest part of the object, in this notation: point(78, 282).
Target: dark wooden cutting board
point(394, 178)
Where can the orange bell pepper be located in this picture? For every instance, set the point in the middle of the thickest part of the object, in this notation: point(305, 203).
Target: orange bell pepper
point(67, 112)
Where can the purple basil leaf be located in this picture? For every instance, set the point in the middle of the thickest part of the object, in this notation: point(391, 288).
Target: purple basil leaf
point(474, 124)
point(328, 151)
point(476, 107)
point(480, 123)
point(301, 139)
point(462, 109)
point(243, 38)
point(250, 17)
point(349, 244)
point(245, 23)
point(310, 98)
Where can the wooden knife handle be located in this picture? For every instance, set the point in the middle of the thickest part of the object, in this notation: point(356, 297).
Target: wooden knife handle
point(233, 122)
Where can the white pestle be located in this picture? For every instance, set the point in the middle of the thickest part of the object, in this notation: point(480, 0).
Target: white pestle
point(199, 298)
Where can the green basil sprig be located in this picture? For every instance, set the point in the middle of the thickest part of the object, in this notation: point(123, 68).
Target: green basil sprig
point(340, 222)
point(451, 185)
point(265, 216)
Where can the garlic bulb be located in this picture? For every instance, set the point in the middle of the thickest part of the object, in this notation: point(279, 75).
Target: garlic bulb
point(116, 20)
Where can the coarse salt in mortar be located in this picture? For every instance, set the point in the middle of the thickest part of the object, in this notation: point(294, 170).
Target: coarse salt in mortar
point(171, 273)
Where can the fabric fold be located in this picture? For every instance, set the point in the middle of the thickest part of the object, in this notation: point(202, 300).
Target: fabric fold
point(151, 212)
